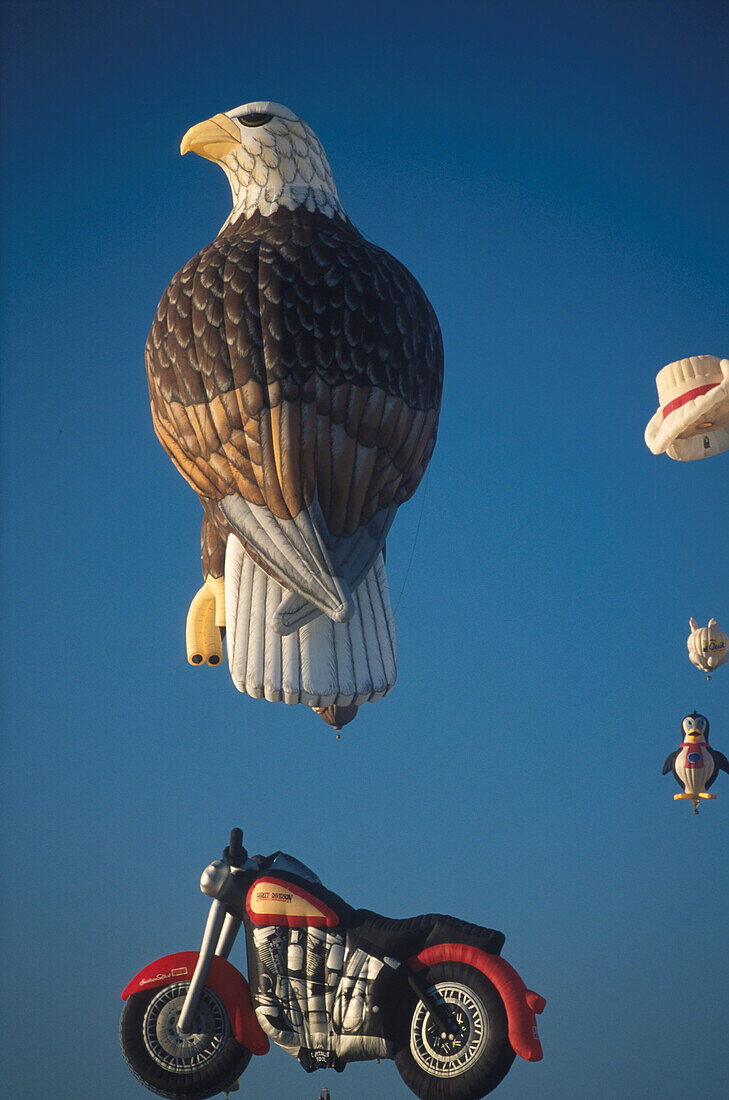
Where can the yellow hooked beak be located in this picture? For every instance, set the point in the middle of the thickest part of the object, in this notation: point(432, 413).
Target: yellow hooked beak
point(693, 736)
point(212, 139)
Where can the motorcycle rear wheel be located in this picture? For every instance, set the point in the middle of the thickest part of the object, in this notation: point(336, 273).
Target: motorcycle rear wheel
point(181, 1067)
point(479, 1056)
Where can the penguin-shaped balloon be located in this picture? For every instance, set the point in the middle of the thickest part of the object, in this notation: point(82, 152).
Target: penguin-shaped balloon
point(695, 765)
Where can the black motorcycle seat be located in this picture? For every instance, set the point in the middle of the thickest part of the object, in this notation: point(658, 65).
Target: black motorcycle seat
point(403, 937)
point(406, 937)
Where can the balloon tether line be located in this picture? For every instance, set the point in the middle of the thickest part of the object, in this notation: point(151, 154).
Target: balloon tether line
point(415, 541)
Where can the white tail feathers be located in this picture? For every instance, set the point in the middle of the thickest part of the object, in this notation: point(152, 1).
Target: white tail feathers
point(321, 663)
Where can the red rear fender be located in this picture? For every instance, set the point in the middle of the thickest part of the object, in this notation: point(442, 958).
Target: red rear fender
point(224, 979)
point(520, 1003)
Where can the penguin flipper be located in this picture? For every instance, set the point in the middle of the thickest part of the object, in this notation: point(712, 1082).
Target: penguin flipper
point(722, 764)
point(670, 759)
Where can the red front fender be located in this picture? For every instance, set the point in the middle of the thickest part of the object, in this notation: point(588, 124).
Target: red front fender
point(224, 979)
point(520, 1003)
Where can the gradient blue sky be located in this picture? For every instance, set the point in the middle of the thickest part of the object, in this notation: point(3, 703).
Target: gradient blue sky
point(555, 175)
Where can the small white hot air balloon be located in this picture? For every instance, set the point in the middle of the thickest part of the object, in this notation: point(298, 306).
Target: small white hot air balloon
point(692, 420)
point(708, 646)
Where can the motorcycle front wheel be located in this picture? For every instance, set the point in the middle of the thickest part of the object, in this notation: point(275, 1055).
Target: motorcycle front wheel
point(475, 1057)
point(184, 1067)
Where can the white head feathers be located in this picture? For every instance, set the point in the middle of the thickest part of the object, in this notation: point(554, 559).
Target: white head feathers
point(271, 157)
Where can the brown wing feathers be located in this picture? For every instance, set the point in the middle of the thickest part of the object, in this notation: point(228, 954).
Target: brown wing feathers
point(291, 358)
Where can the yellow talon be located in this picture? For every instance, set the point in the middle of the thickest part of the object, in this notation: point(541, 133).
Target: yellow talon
point(204, 620)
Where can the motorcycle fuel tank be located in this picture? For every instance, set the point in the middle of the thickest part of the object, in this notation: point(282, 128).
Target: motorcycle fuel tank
point(273, 900)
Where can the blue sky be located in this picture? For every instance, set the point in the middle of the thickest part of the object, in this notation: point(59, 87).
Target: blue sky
point(554, 174)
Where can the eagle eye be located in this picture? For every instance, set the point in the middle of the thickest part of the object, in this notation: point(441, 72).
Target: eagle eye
point(259, 118)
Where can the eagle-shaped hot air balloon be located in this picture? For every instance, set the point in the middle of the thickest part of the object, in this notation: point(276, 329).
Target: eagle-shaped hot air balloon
point(692, 420)
point(695, 765)
point(295, 374)
point(708, 646)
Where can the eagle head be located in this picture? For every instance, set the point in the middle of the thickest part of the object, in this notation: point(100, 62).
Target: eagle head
point(271, 157)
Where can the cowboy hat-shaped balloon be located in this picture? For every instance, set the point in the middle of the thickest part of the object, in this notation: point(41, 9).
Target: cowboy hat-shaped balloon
point(692, 420)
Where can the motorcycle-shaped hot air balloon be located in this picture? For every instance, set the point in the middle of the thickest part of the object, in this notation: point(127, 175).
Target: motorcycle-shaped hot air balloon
point(692, 420)
point(708, 646)
point(331, 985)
point(295, 374)
point(695, 765)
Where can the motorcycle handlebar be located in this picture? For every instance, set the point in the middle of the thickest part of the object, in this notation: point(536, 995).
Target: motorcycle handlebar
point(235, 852)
